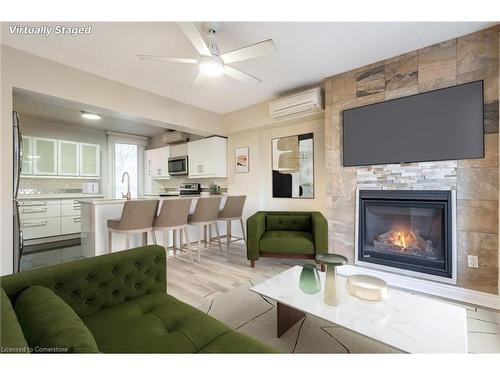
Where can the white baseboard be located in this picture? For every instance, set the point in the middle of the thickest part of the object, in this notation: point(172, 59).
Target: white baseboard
point(448, 292)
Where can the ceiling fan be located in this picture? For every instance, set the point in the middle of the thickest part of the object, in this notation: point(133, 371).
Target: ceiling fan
point(211, 62)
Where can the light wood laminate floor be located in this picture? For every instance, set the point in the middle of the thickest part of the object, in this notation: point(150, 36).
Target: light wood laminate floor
point(198, 283)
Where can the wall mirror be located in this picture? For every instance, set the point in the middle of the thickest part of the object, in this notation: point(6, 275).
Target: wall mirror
point(293, 166)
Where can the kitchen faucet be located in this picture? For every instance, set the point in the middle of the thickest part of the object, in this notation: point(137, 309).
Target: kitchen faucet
point(128, 196)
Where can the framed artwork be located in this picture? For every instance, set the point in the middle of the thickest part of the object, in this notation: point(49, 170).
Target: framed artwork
point(241, 160)
point(293, 166)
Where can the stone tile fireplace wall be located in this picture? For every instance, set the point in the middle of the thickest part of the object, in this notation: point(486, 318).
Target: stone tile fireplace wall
point(465, 59)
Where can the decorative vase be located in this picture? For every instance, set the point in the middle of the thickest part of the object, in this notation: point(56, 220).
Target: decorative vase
point(332, 261)
point(331, 292)
point(309, 279)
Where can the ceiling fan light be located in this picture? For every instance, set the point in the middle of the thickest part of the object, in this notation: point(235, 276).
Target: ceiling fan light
point(211, 67)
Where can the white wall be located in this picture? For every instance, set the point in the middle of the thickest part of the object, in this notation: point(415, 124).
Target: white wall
point(25, 71)
point(257, 184)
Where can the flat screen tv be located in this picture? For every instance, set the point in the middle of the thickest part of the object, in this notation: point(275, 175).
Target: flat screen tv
point(445, 124)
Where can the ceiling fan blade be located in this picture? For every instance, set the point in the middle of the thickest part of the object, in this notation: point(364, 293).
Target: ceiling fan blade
point(264, 48)
point(199, 80)
point(168, 59)
point(240, 76)
point(191, 31)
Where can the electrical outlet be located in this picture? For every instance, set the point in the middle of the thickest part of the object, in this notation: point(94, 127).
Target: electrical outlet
point(472, 261)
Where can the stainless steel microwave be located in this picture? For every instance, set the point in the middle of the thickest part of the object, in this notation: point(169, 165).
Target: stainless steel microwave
point(178, 166)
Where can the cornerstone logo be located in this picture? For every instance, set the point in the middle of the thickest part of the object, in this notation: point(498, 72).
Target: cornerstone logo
point(45, 30)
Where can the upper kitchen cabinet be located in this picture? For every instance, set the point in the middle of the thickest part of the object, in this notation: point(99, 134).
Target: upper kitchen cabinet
point(157, 162)
point(44, 156)
point(208, 158)
point(89, 160)
point(27, 152)
point(68, 158)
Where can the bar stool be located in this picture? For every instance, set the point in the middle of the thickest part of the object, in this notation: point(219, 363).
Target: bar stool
point(233, 210)
point(174, 216)
point(204, 216)
point(137, 217)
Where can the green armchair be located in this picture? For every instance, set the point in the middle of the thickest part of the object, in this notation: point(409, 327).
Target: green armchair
point(286, 234)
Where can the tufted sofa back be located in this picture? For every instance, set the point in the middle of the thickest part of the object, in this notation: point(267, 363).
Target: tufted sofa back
point(92, 284)
point(288, 221)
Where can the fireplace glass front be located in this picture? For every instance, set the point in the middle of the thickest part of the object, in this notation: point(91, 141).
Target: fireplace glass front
point(406, 229)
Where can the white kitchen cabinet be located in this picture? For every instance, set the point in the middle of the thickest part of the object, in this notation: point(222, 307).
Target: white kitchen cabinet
point(70, 216)
point(178, 150)
point(44, 156)
point(89, 160)
point(68, 158)
point(52, 157)
point(27, 150)
point(208, 158)
point(157, 162)
point(71, 224)
point(39, 228)
point(40, 218)
point(39, 209)
point(70, 207)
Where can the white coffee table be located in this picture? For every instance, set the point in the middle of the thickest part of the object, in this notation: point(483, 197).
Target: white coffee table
point(406, 321)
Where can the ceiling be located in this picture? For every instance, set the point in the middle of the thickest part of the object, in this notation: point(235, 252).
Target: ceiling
point(54, 109)
point(306, 53)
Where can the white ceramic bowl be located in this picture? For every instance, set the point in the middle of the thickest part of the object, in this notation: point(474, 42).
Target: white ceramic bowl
point(368, 288)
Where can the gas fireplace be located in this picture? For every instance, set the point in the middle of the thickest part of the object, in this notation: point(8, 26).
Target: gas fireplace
point(408, 230)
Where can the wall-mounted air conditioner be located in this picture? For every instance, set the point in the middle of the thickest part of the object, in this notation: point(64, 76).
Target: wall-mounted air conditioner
point(174, 137)
point(297, 104)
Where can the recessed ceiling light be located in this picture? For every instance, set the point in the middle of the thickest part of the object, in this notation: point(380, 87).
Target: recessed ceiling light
point(90, 115)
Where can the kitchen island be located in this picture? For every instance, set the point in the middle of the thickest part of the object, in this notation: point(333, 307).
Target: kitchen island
point(96, 212)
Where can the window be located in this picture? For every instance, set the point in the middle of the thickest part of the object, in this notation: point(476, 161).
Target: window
point(125, 154)
point(126, 160)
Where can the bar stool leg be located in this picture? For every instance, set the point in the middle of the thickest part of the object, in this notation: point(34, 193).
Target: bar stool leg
point(110, 242)
point(228, 233)
point(209, 235)
point(243, 230)
point(144, 238)
point(205, 235)
point(153, 236)
point(174, 243)
point(127, 243)
point(187, 243)
point(199, 242)
point(165, 238)
point(218, 237)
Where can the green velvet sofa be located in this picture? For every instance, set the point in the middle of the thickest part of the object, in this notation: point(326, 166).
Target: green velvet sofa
point(115, 303)
point(286, 234)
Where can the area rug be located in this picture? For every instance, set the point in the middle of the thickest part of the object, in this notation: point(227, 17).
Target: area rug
point(255, 316)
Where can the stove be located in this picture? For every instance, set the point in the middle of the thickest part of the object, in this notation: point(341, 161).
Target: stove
point(190, 189)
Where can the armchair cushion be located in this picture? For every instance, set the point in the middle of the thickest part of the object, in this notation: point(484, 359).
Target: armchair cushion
point(297, 222)
point(50, 324)
point(292, 242)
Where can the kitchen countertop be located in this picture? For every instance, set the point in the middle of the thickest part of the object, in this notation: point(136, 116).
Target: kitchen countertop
point(118, 201)
point(57, 196)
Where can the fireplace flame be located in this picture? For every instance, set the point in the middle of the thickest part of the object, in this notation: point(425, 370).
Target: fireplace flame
point(402, 239)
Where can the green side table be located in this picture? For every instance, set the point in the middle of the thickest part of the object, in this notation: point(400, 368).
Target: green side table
point(332, 261)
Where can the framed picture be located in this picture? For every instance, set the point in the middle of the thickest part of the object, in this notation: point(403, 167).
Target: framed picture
point(241, 160)
point(293, 166)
